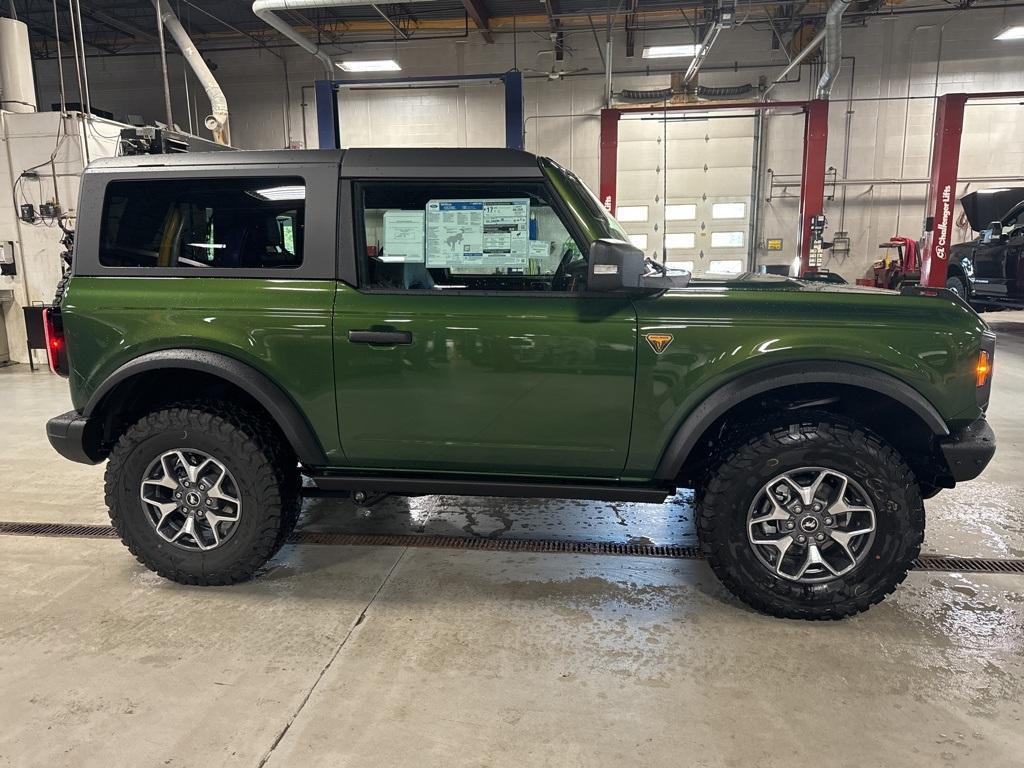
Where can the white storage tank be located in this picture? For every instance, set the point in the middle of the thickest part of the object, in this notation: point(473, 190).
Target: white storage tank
point(17, 86)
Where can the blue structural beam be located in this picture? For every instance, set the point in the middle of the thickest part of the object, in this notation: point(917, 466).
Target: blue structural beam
point(327, 102)
point(327, 126)
point(513, 80)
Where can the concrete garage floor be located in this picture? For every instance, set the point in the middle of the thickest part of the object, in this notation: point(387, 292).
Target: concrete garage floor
point(385, 656)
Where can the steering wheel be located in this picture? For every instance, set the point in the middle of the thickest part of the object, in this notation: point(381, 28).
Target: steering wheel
point(565, 277)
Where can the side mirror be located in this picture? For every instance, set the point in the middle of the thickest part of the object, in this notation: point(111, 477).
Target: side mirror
point(995, 231)
point(615, 265)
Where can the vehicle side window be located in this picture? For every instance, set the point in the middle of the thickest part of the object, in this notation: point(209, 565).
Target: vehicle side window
point(456, 236)
point(245, 223)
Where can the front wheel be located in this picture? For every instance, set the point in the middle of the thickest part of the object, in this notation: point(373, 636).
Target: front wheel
point(817, 519)
point(956, 285)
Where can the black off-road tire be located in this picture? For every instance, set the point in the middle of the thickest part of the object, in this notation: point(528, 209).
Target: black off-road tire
point(265, 471)
point(955, 284)
point(810, 440)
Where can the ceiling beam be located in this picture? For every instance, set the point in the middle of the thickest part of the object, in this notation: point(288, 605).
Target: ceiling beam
point(46, 28)
point(390, 21)
point(478, 14)
point(121, 26)
point(631, 29)
point(553, 8)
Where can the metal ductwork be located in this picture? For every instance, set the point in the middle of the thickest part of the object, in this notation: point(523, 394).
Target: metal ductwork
point(217, 121)
point(17, 84)
point(267, 11)
point(705, 48)
point(833, 46)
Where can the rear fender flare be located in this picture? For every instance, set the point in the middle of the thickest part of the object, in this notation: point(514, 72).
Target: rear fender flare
point(282, 409)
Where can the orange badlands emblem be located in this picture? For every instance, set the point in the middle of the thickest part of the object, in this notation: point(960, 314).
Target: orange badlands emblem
point(659, 341)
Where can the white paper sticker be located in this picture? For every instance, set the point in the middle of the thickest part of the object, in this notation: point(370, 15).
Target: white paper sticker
point(540, 249)
point(403, 237)
point(484, 235)
point(455, 233)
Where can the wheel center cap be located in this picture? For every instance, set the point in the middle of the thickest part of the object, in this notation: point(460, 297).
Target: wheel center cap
point(193, 499)
point(809, 524)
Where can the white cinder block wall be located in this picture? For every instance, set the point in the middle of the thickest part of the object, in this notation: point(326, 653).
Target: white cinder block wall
point(920, 55)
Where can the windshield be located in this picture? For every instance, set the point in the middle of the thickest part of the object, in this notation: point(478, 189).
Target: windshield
point(585, 203)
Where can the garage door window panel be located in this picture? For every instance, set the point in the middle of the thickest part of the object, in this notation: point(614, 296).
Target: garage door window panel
point(727, 239)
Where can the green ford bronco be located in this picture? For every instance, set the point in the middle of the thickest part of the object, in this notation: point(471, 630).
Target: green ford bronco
point(473, 322)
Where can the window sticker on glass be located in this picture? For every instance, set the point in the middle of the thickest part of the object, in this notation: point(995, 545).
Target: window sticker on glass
point(454, 232)
point(477, 233)
point(507, 232)
point(403, 237)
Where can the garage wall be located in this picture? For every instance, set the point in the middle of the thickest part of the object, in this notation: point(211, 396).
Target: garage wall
point(919, 55)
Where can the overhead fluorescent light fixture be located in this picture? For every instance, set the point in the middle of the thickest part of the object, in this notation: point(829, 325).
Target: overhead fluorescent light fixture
point(281, 193)
point(670, 51)
point(372, 65)
point(993, 191)
point(1011, 33)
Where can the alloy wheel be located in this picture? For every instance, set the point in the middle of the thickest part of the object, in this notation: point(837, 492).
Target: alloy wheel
point(811, 525)
point(191, 499)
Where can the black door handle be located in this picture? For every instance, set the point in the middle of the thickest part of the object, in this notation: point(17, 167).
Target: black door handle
point(387, 338)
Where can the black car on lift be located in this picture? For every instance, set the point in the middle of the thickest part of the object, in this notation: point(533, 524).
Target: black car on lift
point(989, 270)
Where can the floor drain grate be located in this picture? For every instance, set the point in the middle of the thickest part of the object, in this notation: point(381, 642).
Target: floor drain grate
point(551, 546)
point(73, 531)
point(499, 545)
point(968, 564)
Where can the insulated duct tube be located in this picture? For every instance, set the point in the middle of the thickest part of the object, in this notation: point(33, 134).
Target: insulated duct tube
point(267, 11)
point(833, 46)
point(217, 121)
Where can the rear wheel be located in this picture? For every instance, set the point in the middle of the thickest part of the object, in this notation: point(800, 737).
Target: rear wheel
point(816, 519)
point(202, 494)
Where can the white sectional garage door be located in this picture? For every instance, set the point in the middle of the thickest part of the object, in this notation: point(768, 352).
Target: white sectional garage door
point(683, 188)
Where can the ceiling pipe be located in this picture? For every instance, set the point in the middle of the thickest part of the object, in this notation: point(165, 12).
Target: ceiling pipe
point(833, 46)
point(217, 121)
point(702, 54)
point(797, 60)
point(267, 10)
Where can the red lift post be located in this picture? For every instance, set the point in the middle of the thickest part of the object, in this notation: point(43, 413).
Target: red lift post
point(812, 187)
point(938, 226)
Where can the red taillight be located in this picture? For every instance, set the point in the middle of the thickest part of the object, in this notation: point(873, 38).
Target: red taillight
point(56, 348)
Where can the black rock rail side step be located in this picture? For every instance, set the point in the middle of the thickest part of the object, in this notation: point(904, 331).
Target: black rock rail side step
point(409, 485)
point(551, 546)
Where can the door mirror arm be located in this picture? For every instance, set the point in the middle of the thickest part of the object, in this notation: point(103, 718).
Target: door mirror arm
point(616, 266)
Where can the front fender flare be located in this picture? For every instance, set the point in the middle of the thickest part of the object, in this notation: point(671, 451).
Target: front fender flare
point(764, 380)
point(282, 409)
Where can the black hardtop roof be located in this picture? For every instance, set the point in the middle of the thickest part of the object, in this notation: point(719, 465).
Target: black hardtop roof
point(380, 163)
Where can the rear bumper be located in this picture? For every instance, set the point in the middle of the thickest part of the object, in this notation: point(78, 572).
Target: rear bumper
point(969, 452)
point(69, 436)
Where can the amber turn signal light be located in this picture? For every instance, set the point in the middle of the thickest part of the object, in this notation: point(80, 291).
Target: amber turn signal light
point(983, 370)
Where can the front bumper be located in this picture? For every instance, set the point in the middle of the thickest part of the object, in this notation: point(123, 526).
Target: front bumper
point(70, 436)
point(969, 452)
